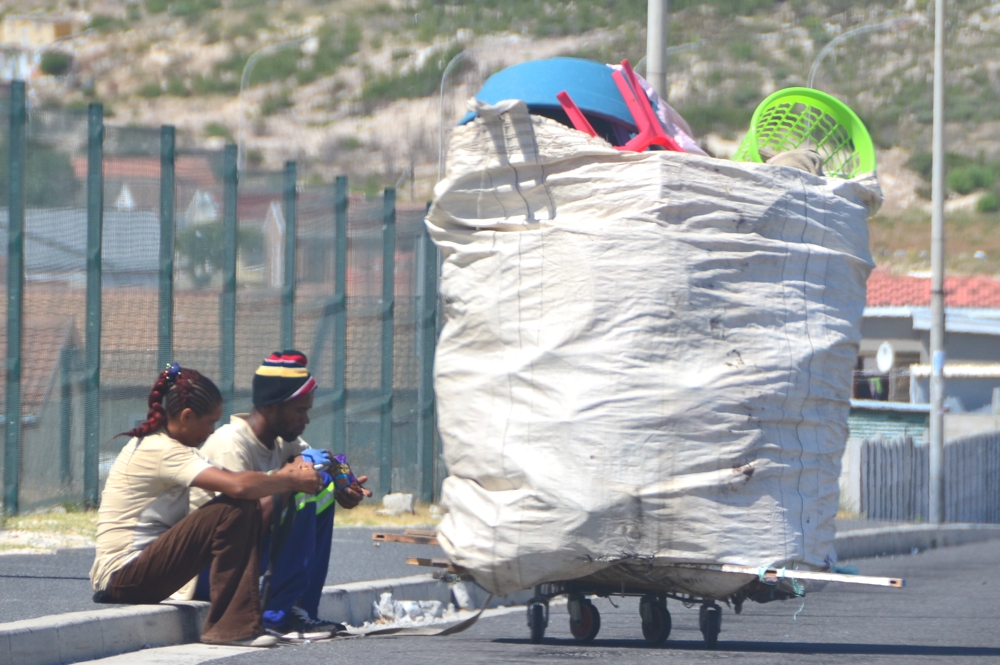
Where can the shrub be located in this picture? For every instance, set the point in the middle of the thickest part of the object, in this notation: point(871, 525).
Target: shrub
point(48, 175)
point(990, 202)
point(276, 66)
point(386, 87)
point(274, 103)
point(218, 129)
point(104, 23)
point(157, 6)
point(922, 163)
point(349, 143)
point(741, 50)
point(201, 249)
point(150, 90)
point(176, 87)
point(213, 85)
point(965, 179)
point(55, 63)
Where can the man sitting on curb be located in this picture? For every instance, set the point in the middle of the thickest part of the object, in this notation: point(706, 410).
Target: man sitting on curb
point(265, 440)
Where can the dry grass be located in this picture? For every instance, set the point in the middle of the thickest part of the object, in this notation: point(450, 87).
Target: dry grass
point(903, 243)
point(56, 520)
point(364, 515)
point(48, 530)
point(59, 528)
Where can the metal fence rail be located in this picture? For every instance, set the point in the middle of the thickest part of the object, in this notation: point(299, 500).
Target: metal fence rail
point(894, 479)
point(133, 253)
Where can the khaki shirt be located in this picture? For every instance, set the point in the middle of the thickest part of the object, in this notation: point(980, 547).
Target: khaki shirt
point(146, 494)
point(235, 447)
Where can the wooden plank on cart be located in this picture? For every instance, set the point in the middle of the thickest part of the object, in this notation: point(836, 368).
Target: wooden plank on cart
point(433, 563)
point(404, 538)
point(774, 574)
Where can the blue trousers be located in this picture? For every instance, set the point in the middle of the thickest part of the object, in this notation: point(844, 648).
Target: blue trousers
point(300, 570)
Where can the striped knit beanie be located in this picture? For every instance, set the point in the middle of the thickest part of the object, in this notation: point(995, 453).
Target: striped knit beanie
point(282, 378)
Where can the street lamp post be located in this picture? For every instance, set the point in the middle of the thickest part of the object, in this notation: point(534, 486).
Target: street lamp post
point(936, 471)
point(444, 77)
point(902, 22)
point(656, 46)
point(641, 65)
point(247, 70)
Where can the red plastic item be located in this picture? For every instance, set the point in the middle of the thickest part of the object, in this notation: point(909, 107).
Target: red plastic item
point(576, 116)
point(650, 130)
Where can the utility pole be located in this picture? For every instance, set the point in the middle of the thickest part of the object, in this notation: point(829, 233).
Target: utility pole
point(936, 504)
point(656, 46)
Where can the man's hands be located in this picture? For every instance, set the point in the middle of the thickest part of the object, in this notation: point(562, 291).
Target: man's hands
point(304, 477)
point(351, 496)
point(314, 456)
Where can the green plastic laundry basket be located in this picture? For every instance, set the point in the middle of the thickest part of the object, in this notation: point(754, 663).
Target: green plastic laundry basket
point(806, 118)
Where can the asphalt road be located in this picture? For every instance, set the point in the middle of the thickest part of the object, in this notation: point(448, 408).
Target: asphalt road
point(34, 585)
point(947, 613)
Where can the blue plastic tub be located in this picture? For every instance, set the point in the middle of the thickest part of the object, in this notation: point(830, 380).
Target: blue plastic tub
point(537, 83)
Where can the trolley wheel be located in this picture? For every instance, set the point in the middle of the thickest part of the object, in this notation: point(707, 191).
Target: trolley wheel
point(586, 629)
point(537, 621)
point(710, 622)
point(656, 622)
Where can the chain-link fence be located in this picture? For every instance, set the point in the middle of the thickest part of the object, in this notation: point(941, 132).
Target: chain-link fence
point(135, 253)
point(53, 296)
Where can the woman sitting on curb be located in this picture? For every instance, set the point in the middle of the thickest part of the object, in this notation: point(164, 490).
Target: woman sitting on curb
point(148, 546)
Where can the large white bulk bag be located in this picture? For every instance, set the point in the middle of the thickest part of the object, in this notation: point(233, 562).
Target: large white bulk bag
point(645, 358)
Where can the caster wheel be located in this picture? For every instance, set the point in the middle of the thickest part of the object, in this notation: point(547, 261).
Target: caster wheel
point(537, 621)
point(584, 620)
point(710, 622)
point(656, 622)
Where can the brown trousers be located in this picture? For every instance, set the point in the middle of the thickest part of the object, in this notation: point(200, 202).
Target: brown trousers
point(224, 533)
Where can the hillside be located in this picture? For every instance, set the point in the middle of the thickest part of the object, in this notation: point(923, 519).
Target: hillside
point(357, 89)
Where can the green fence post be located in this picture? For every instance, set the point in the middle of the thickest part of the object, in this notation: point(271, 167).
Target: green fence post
point(427, 311)
point(15, 296)
point(227, 303)
point(388, 329)
point(339, 437)
point(165, 343)
point(288, 285)
point(65, 415)
point(95, 221)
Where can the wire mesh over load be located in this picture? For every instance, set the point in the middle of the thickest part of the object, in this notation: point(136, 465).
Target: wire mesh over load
point(645, 360)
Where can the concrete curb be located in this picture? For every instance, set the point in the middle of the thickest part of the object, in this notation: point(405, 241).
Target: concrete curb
point(76, 636)
point(79, 636)
point(904, 539)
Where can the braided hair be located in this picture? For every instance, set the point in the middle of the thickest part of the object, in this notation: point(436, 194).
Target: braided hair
point(177, 389)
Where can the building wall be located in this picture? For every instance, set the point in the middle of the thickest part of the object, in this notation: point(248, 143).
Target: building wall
point(968, 347)
point(909, 343)
point(32, 33)
point(898, 331)
point(974, 393)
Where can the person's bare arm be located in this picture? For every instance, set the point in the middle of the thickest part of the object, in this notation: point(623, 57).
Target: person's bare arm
point(256, 485)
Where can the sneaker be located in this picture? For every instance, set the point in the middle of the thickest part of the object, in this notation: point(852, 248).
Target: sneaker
point(262, 641)
point(294, 635)
point(299, 619)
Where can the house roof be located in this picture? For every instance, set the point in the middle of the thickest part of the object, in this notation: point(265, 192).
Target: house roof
point(55, 241)
point(196, 168)
point(969, 292)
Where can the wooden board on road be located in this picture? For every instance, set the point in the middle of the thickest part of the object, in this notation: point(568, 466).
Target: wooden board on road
point(404, 538)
